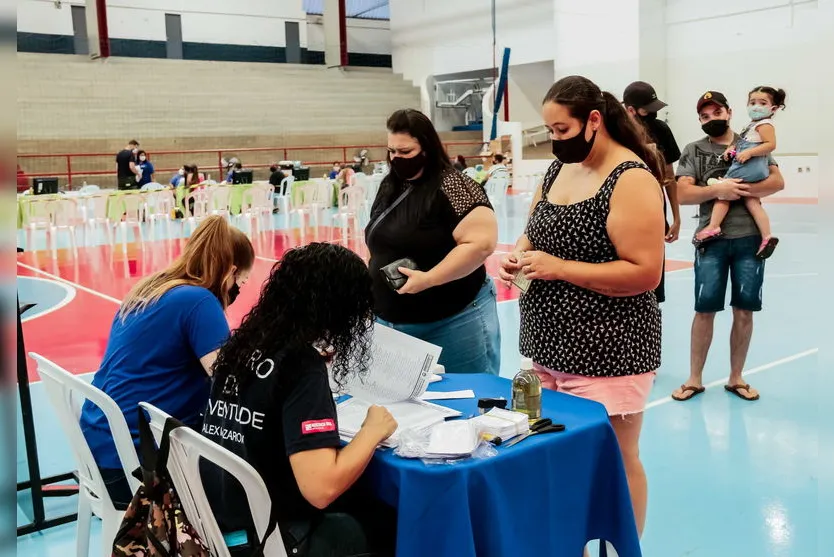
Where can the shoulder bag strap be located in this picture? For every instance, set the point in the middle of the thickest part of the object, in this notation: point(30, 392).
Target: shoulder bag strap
point(372, 226)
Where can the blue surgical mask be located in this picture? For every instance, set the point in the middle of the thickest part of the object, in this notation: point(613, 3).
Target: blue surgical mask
point(757, 112)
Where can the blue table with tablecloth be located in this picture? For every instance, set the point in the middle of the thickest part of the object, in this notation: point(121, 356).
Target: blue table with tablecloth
point(546, 496)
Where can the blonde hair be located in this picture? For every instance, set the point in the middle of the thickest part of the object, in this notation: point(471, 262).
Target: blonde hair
point(207, 261)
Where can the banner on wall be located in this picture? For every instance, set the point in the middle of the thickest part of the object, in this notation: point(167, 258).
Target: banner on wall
point(98, 37)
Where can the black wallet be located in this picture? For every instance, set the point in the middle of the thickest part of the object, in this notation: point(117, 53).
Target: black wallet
point(393, 276)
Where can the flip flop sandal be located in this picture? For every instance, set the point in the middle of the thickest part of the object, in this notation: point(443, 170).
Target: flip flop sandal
point(767, 248)
point(707, 239)
point(735, 390)
point(689, 389)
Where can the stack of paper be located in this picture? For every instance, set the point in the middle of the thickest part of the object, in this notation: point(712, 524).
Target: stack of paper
point(502, 423)
point(453, 439)
point(400, 370)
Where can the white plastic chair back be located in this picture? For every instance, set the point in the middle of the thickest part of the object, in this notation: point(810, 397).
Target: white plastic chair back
point(67, 394)
point(152, 186)
point(66, 214)
point(89, 188)
point(201, 198)
point(286, 186)
point(220, 199)
point(351, 200)
point(471, 172)
point(186, 448)
point(133, 204)
point(38, 212)
point(258, 199)
point(496, 188)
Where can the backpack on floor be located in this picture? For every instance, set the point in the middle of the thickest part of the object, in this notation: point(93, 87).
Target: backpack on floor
point(155, 524)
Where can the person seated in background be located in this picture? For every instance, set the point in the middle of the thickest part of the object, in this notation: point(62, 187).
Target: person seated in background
point(236, 167)
point(337, 168)
point(175, 179)
point(460, 163)
point(320, 296)
point(164, 340)
point(146, 168)
point(498, 167)
point(276, 176)
point(345, 177)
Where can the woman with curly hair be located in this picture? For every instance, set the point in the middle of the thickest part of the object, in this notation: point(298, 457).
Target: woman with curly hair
point(271, 404)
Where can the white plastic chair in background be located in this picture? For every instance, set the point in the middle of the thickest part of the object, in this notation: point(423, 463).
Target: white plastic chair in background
point(197, 205)
point(187, 447)
point(65, 216)
point(282, 198)
point(159, 206)
point(88, 189)
point(133, 208)
point(257, 203)
point(96, 213)
point(351, 208)
point(67, 394)
point(220, 199)
point(152, 186)
point(311, 199)
point(38, 216)
point(471, 172)
point(496, 189)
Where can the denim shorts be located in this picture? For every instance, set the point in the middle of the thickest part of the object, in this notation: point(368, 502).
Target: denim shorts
point(734, 258)
point(752, 171)
point(470, 339)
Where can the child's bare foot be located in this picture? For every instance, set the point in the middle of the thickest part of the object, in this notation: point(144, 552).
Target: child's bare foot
point(767, 247)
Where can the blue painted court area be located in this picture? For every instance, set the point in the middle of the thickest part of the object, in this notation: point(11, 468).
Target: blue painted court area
point(727, 478)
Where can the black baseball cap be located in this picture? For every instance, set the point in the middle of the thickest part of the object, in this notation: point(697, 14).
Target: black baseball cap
point(642, 95)
point(713, 97)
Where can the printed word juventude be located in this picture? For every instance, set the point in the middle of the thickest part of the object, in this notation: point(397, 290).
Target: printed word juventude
point(236, 412)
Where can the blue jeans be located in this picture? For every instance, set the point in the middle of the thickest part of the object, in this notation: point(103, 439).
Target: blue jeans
point(754, 170)
point(470, 339)
point(734, 259)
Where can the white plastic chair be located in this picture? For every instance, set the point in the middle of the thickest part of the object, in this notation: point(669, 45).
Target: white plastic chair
point(496, 188)
point(282, 199)
point(88, 189)
point(66, 215)
point(351, 208)
point(311, 199)
point(132, 207)
point(96, 213)
point(220, 199)
point(186, 448)
point(37, 215)
point(152, 186)
point(67, 394)
point(159, 206)
point(471, 172)
point(199, 209)
point(257, 202)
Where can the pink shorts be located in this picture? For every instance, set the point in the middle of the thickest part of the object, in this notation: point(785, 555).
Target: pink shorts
point(620, 395)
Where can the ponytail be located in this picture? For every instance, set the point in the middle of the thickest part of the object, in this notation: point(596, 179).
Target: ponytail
point(581, 96)
point(777, 96)
point(624, 130)
point(207, 260)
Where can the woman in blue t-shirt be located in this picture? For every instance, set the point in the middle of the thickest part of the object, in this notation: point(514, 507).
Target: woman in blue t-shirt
point(147, 169)
point(164, 340)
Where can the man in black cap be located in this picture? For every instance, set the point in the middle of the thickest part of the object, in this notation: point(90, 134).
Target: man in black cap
point(640, 100)
point(733, 256)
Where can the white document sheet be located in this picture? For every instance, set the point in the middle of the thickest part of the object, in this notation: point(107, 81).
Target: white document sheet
point(449, 395)
point(400, 368)
point(408, 413)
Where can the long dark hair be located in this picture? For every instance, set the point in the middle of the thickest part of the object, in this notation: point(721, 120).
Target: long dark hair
point(417, 125)
point(777, 96)
point(581, 96)
point(317, 294)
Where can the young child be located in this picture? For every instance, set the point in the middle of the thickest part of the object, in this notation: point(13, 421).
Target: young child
point(750, 164)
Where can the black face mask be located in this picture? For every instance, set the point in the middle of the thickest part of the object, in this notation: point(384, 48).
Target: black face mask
point(716, 128)
point(573, 149)
point(406, 169)
point(234, 291)
point(650, 117)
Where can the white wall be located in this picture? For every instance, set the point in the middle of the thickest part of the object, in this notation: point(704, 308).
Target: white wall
point(438, 37)
point(240, 22)
point(368, 36)
point(733, 47)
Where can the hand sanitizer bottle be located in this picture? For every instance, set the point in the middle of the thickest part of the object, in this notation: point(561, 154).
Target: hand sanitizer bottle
point(527, 391)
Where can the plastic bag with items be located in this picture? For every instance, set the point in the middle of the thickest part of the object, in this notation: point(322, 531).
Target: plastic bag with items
point(444, 443)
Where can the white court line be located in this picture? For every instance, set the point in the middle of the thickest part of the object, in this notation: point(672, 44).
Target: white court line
point(68, 297)
point(74, 284)
point(668, 399)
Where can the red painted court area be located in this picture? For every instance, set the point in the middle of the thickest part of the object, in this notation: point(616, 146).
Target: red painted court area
point(75, 335)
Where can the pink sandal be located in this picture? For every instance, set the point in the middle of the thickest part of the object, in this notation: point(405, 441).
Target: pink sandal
point(767, 247)
point(707, 236)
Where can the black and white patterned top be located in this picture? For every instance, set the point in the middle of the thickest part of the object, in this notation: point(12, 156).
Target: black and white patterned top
point(568, 328)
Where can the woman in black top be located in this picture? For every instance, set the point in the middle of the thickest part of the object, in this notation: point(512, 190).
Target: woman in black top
point(271, 404)
point(593, 250)
point(441, 220)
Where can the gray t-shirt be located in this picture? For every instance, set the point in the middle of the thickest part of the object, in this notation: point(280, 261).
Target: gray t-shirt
point(702, 160)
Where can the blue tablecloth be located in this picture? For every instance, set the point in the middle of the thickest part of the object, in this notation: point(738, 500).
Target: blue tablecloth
point(546, 496)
